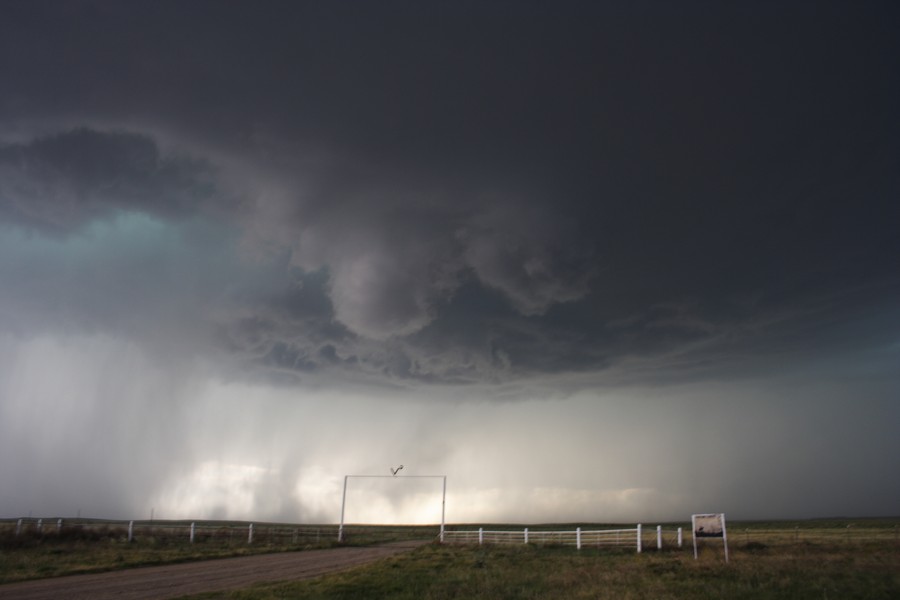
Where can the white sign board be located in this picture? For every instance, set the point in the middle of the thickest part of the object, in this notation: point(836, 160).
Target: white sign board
point(709, 525)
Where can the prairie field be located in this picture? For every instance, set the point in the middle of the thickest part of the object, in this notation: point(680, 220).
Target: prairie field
point(820, 559)
point(807, 570)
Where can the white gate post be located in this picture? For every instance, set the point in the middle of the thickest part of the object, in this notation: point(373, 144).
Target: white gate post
point(443, 508)
point(639, 538)
point(40, 525)
point(250, 534)
point(659, 537)
point(680, 538)
point(343, 504)
point(59, 526)
point(192, 532)
point(130, 531)
point(526, 535)
point(480, 535)
point(578, 538)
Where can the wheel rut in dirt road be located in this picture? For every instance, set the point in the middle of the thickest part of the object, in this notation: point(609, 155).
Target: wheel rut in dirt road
point(172, 581)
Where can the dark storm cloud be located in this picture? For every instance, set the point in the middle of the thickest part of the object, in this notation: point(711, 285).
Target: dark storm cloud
point(245, 248)
point(473, 192)
point(60, 182)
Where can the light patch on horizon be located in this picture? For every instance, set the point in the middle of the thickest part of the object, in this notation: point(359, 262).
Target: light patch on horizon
point(213, 490)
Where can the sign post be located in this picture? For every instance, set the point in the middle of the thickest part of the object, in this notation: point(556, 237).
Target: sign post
point(709, 525)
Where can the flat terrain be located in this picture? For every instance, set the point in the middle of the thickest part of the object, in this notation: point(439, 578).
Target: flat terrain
point(172, 581)
point(804, 571)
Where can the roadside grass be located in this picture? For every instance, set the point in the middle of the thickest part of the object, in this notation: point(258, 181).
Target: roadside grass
point(784, 572)
point(34, 557)
point(93, 546)
point(820, 559)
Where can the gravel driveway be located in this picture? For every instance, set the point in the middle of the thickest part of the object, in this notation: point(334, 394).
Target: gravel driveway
point(171, 581)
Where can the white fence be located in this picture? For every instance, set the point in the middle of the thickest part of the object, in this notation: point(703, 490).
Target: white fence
point(592, 538)
point(171, 530)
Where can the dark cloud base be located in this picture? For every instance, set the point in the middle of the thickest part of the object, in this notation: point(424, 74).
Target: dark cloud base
point(569, 205)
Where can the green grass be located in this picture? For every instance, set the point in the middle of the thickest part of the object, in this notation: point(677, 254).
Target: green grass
point(30, 556)
point(93, 546)
point(790, 572)
point(819, 559)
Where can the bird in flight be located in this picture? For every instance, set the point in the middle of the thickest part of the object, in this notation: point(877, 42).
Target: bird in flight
point(395, 471)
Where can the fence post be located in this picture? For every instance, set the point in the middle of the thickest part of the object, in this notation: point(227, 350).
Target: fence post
point(639, 538)
point(659, 537)
point(250, 534)
point(40, 526)
point(480, 535)
point(58, 526)
point(578, 538)
point(526, 535)
point(130, 531)
point(192, 532)
point(18, 527)
point(679, 537)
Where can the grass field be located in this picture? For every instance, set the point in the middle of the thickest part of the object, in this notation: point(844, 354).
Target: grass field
point(804, 559)
point(93, 546)
point(803, 571)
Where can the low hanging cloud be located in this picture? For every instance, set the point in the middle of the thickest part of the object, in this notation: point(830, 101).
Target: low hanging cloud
point(533, 258)
point(387, 277)
point(372, 278)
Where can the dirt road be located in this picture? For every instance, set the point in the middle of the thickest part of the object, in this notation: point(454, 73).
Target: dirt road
point(171, 581)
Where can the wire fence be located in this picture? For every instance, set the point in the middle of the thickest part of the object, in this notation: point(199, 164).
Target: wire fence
point(641, 538)
point(169, 531)
point(578, 537)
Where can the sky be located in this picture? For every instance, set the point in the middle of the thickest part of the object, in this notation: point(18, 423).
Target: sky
point(591, 261)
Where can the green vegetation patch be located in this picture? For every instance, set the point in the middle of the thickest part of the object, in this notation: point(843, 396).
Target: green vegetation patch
point(528, 572)
point(33, 557)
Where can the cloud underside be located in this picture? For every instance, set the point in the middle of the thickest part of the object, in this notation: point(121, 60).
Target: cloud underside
point(412, 284)
point(590, 261)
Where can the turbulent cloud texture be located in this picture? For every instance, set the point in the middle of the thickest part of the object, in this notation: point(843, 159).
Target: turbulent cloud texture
point(61, 182)
point(622, 260)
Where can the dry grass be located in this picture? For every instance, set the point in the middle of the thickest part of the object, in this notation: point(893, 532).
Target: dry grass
point(792, 572)
point(779, 560)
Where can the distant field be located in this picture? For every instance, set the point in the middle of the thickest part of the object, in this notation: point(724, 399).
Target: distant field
point(852, 558)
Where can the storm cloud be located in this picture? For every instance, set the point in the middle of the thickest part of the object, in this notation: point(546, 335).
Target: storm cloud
point(598, 263)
